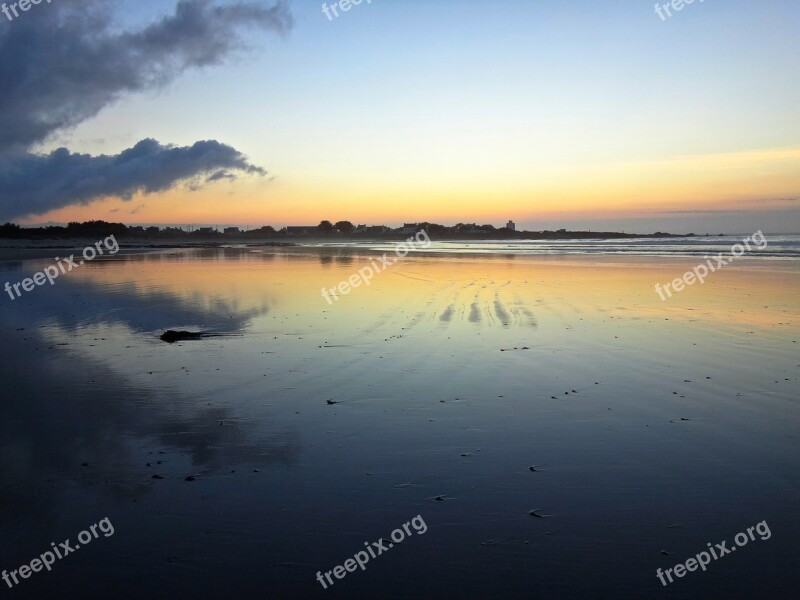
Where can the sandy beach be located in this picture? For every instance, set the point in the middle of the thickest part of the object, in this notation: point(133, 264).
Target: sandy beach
point(307, 428)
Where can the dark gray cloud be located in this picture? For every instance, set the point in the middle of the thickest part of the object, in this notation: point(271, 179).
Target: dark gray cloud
point(37, 183)
point(62, 63)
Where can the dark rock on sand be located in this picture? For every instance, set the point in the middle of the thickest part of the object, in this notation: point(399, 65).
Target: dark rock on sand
point(172, 336)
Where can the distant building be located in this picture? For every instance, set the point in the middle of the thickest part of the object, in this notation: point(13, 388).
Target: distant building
point(301, 230)
point(232, 230)
point(205, 230)
point(360, 229)
point(408, 228)
point(511, 226)
point(373, 229)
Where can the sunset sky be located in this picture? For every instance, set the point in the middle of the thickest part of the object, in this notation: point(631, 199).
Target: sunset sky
point(551, 113)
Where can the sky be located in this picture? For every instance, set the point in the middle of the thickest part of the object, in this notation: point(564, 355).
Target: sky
point(551, 113)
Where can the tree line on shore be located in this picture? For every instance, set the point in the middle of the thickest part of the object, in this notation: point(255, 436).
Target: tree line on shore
point(325, 229)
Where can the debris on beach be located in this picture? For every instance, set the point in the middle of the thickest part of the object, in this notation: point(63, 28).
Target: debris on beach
point(171, 336)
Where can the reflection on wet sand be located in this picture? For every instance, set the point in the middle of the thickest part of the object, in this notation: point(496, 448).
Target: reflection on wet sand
point(70, 419)
point(288, 444)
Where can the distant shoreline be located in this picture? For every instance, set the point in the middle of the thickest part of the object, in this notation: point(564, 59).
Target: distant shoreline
point(289, 239)
point(343, 231)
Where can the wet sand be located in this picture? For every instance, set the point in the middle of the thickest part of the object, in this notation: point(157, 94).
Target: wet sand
point(655, 427)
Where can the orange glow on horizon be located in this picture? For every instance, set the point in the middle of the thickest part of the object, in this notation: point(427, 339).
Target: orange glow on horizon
point(757, 181)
